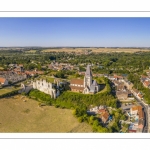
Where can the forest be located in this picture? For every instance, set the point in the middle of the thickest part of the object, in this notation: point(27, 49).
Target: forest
point(123, 63)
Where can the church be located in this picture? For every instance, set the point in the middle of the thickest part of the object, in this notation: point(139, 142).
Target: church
point(86, 85)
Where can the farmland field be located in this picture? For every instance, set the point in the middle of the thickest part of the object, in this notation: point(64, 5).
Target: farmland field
point(96, 50)
point(16, 115)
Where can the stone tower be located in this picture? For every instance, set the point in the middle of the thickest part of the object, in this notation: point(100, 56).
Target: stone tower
point(88, 77)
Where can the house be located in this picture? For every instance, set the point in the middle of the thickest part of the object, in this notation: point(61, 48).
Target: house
point(137, 114)
point(111, 78)
point(116, 83)
point(3, 81)
point(135, 91)
point(132, 128)
point(86, 85)
point(95, 109)
point(121, 87)
point(119, 78)
point(100, 111)
point(122, 95)
point(137, 110)
point(128, 84)
point(104, 116)
point(137, 94)
point(140, 96)
point(19, 68)
point(13, 77)
point(143, 78)
point(146, 83)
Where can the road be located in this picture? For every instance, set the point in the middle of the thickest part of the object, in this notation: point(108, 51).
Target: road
point(145, 109)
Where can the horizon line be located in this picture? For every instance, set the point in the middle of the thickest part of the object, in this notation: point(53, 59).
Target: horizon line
point(76, 46)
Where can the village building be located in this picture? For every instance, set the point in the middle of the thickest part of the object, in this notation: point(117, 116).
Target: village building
point(105, 116)
point(135, 91)
point(3, 81)
point(122, 95)
point(137, 110)
point(86, 85)
point(146, 84)
point(128, 84)
point(137, 114)
point(12, 76)
point(145, 80)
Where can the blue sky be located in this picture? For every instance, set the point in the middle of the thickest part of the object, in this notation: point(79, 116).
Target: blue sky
point(90, 32)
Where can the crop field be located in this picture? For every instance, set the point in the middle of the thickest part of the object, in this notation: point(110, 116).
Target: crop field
point(69, 50)
point(19, 114)
point(96, 50)
point(31, 51)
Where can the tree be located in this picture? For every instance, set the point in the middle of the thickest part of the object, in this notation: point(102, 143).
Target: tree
point(91, 120)
point(60, 74)
point(80, 119)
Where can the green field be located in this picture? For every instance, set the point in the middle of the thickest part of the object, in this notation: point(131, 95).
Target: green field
point(24, 117)
point(31, 51)
point(7, 89)
point(47, 78)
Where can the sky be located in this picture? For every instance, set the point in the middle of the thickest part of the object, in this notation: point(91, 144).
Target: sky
point(75, 32)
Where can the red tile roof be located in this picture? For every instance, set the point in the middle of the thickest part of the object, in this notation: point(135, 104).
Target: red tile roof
point(2, 80)
point(105, 116)
point(77, 81)
point(147, 83)
point(101, 111)
point(77, 88)
point(140, 111)
point(139, 95)
point(136, 91)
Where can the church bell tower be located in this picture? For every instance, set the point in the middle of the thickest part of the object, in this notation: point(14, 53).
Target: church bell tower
point(88, 77)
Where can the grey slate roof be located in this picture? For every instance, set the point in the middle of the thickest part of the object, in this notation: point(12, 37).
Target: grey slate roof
point(88, 71)
point(94, 83)
point(92, 88)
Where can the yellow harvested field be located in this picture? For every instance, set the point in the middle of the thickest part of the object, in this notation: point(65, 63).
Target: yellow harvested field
point(18, 116)
point(97, 50)
point(31, 51)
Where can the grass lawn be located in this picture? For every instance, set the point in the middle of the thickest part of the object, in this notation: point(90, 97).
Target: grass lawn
point(69, 77)
point(24, 117)
point(7, 89)
point(49, 79)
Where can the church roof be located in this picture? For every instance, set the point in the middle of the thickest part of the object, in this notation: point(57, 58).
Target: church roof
point(88, 71)
point(77, 88)
point(77, 81)
point(92, 88)
point(94, 83)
